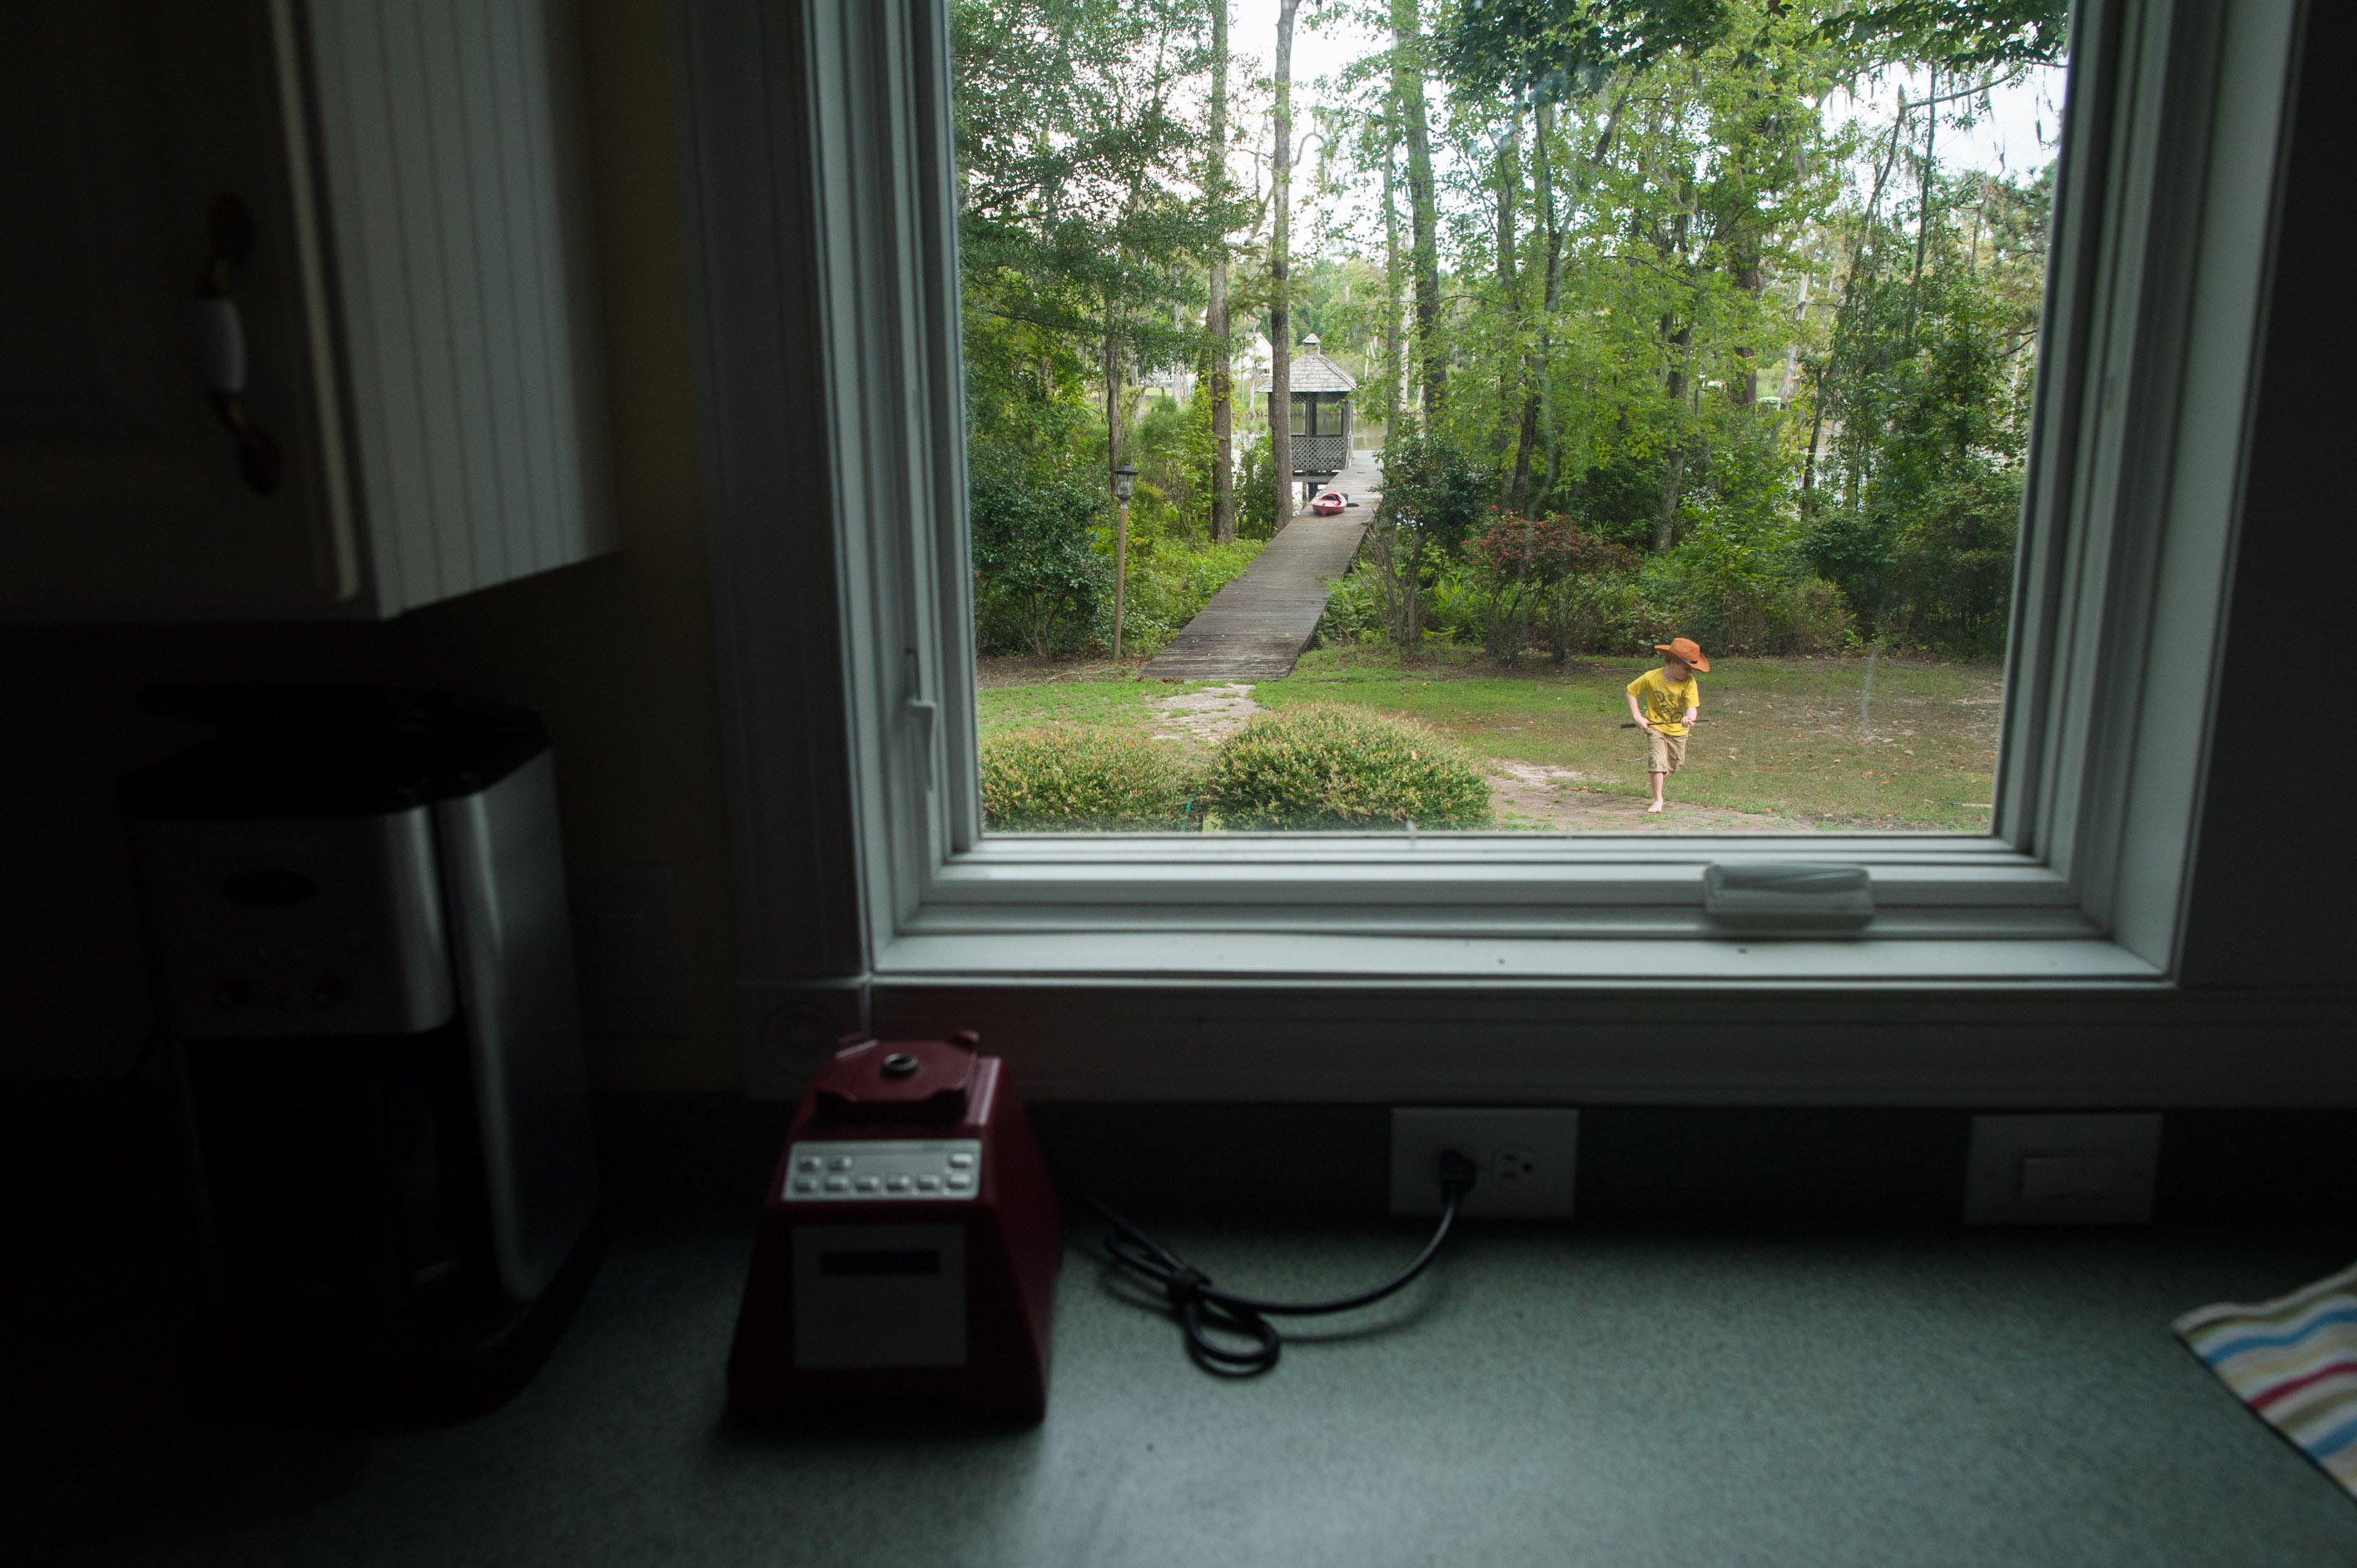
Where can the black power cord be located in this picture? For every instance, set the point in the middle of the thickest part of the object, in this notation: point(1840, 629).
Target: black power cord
point(1198, 1306)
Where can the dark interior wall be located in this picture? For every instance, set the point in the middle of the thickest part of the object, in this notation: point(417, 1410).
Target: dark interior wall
point(615, 653)
point(2272, 904)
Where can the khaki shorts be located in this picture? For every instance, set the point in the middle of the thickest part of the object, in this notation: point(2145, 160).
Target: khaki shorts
point(1665, 753)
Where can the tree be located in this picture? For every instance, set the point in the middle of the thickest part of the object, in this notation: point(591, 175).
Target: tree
point(1408, 68)
point(1215, 315)
point(1280, 321)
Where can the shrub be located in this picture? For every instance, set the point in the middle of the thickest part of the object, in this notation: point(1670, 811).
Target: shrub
point(1354, 611)
point(1083, 779)
point(1741, 581)
point(1534, 579)
point(1257, 491)
point(1037, 576)
point(1326, 766)
point(1433, 495)
point(1169, 584)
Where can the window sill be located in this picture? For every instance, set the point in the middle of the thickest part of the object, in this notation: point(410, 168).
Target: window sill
point(1673, 958)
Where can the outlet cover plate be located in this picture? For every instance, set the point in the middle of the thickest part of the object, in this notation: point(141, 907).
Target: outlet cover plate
point(2062, 1169)
point(1526, 1159)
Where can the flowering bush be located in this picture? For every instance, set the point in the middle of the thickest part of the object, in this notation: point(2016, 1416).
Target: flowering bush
point(1538, 580)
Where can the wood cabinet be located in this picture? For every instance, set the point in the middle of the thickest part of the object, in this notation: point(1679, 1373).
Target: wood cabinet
point(298, 306)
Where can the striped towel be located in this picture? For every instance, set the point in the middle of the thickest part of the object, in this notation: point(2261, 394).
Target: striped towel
point(2293, 1360)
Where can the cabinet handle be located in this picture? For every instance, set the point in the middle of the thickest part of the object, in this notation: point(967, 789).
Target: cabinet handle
point(221, 335)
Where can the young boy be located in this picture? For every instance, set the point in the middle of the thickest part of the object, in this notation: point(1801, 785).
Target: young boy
point(1672, 700)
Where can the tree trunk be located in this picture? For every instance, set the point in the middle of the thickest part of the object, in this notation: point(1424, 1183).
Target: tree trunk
point(1407, 91)
point(1280, 319)
point(1672, 491)
point(1923, 200)
point(1215, 315)
point(1542, 175)
point(1674, 484)
point(1395, 306)
point(1510, 185)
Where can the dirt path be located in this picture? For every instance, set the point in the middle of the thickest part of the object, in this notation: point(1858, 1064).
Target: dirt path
point(1523, 794)
point(1206, 716)
point(1528, 794)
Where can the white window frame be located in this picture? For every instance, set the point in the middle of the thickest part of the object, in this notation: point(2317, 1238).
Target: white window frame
point(827, 122)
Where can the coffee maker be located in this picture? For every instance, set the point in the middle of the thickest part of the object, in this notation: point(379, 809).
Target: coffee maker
point(361, 954)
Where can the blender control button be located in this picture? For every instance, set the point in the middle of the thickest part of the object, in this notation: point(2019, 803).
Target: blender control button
point(929, 1184)
point(807, 1163)
point(959, 1182)
point(868, 1184)
point(838, 1183)
point(805, 1184)
point(839, 1163)
point(959, 1162)
point(897, 1183)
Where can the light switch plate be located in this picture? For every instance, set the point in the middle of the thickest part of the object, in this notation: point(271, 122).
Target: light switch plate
point(2062, 1170)
point(1524, 1159)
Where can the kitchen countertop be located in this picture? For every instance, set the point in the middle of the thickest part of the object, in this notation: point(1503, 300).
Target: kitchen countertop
point(1547, 1394)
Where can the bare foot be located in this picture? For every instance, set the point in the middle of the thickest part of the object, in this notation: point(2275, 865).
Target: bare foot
point(1654, 810)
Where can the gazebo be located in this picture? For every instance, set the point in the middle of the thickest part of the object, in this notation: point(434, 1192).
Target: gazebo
point(1321, 412)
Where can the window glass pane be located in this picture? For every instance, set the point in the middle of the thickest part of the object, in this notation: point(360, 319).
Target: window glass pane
point(1722, 335)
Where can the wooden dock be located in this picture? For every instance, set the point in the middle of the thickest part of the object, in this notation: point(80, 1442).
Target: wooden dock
point(1256, 627)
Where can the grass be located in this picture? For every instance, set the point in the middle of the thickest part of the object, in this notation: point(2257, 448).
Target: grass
point(1097, 703)
point(1800, 739)
point(1794, 737)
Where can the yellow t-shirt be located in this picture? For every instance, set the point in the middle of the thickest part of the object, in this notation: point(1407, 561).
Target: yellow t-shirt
point(1665, 703)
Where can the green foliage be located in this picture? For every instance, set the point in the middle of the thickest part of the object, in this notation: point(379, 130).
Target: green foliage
point(1927, 384)
point(1432, 488)
point(1680, 310)
point(1354, 611)
point(1536, 580)
point(1739, 589)
point(1963, 35)
point(1038, 578)
point(1079, 778)
point(1323, 765)
point(1168, 587)
point(1553, 48)
point(1257, 491)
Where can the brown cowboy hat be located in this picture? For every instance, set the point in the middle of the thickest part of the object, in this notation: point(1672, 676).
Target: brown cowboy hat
point(1685, 649)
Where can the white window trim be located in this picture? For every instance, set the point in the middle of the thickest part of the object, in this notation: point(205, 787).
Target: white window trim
point(2149, 359)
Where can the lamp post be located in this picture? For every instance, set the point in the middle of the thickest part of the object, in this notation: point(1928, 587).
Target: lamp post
point(1124, 480)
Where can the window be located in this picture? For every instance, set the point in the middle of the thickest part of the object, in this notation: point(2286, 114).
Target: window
point(1728, 336)
point(2163, 213)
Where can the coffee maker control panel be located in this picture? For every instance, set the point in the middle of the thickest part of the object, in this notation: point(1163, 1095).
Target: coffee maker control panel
point(883, 1170)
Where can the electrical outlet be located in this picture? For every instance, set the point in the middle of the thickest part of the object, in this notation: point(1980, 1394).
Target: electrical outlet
point(1524, 1160)
point(2071, 1169)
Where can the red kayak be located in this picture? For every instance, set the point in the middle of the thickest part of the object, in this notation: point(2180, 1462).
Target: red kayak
point(1327, 502)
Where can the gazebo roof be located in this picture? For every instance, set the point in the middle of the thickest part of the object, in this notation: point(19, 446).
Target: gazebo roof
point(1314, 372)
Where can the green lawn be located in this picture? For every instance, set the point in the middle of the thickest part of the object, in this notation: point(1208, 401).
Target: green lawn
point(1797, 738)
point(1118, 701)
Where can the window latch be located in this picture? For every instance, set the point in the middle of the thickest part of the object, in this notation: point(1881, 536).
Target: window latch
point(1788, 896)
point(925, 710)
